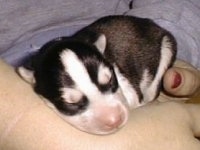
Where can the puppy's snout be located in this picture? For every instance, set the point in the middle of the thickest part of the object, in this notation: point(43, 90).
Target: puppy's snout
point(112, 118)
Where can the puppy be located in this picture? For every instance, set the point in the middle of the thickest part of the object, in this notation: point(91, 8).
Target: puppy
point(94, 78)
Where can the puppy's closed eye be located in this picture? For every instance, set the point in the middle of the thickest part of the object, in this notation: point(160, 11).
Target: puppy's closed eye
point(106, 79)
point(104, 75)
point(71, 95)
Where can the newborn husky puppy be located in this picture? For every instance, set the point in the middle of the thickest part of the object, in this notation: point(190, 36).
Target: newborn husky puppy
point(93, 78)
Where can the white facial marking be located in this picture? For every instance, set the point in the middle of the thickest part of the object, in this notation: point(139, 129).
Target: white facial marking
point(166, 56)
point(101, 118)
point(71, 95)
point(105, 115)
point(101, 43)
point(26, 74)
point(77, 71)
point(104, 74)
point(128, 90)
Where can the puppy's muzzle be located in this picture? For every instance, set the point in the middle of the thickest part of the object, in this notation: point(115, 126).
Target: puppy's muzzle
point(111, 118)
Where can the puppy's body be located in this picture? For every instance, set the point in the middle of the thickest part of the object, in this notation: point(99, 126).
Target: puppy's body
point(134, 45)
point(95, 76)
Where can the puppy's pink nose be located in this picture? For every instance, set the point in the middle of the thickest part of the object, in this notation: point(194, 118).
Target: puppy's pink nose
point(112, 118)
point(113, 121)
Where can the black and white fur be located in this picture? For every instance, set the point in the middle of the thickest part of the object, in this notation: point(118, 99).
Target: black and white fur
point(93, 78)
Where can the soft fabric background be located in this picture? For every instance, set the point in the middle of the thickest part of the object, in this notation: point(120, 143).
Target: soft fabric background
point(26, 25)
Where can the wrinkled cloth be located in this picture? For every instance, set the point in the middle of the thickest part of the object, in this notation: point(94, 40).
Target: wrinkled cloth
point(26, 26)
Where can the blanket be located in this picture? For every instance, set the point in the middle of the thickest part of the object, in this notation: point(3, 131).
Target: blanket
point(26, 26)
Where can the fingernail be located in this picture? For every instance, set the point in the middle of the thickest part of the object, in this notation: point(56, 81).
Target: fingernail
point(177, 80)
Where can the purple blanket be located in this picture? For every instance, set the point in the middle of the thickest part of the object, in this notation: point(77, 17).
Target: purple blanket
point(26, 25)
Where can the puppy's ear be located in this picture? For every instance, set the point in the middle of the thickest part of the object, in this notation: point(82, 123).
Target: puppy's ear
point(26, 74)
point(101, 43)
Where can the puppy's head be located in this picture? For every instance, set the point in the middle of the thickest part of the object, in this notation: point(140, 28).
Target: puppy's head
point(80, 85)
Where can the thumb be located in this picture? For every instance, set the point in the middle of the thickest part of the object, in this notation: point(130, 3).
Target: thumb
point(181, 82)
